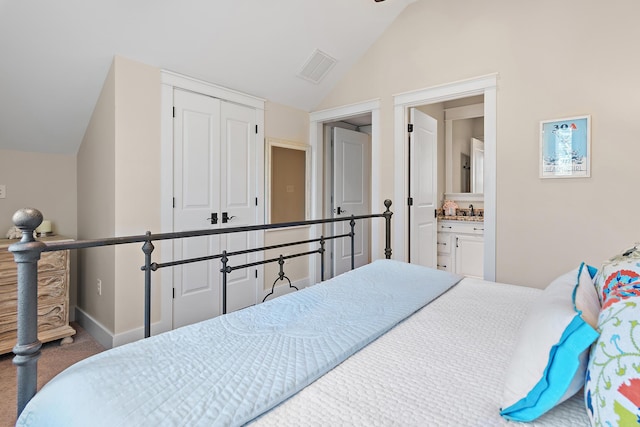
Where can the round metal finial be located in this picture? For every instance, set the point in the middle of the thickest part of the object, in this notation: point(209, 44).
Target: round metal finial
point(387, 203)
point(27, 219)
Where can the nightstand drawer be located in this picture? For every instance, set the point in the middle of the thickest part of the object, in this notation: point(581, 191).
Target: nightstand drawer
point(49, 261)
point(51, 320)
point(52, 289)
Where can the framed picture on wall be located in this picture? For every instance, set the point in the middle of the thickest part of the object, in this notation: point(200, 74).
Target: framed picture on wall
point(565, 148)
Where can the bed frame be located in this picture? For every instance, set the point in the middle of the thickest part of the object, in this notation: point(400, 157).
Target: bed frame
point(27, 253)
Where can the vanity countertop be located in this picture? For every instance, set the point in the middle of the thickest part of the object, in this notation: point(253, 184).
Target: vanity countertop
point(461, 218)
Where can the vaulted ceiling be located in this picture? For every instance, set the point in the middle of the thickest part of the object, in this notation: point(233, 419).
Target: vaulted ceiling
point(55, 55)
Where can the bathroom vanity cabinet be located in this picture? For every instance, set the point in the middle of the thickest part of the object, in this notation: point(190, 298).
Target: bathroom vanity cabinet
point(461, 247)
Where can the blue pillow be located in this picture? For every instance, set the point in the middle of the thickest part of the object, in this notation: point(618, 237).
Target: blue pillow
point(550, 359)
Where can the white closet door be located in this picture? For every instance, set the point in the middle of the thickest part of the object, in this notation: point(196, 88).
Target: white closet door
point(197, 292)
point(238, 198)
point(215, 176)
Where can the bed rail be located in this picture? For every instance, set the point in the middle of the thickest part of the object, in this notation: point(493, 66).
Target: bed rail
point(27, 253)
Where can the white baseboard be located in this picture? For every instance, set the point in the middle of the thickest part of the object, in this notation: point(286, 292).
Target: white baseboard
point(105, 337)
point(98, 331)
point(128, 336)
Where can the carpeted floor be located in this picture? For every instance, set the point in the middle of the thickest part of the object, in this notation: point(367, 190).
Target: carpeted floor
point(54, 359)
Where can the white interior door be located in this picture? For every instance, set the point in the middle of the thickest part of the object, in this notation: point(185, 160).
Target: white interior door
point(215, 186)
point(351, 188)
point(197, 292)
point(423, 189)
point(238, 199)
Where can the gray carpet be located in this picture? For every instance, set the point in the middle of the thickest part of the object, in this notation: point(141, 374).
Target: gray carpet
point(54, 359)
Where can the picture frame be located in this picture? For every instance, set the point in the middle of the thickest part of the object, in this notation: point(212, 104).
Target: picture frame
point(565, 147)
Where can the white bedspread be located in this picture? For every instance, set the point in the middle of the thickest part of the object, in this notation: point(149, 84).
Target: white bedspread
point(444, 366)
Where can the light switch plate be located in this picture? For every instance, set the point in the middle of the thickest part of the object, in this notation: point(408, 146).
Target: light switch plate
point(3, 191)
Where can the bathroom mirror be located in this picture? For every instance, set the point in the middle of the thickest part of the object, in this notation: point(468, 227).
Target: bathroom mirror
point(464, 152)
point(288, 179)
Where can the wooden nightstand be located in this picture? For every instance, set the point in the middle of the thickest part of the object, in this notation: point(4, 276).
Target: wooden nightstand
point(53, 295)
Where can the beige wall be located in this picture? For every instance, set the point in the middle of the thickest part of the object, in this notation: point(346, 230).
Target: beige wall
point(283, 122)
point(547, 68)
point(43, 181)
point(46, 182)
point(119, 193)
point(137, 181)
point(96, 215)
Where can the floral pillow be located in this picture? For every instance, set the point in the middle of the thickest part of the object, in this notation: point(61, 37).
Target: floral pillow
point(612, 389)
point(619, 277)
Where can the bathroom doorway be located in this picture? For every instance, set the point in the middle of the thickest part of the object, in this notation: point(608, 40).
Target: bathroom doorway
point(482, 86)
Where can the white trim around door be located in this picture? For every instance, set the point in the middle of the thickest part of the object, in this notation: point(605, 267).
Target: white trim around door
point(317, 120)
point(484, 85)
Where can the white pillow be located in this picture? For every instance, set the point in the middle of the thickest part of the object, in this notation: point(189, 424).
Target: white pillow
point(550, 359)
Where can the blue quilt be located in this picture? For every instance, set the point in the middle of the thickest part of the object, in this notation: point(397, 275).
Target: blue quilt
point(230, 369)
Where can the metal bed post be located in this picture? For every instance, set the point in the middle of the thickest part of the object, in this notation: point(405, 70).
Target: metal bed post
point(225, 269)
point(322, 258)
point(387, 229)
point(27, 350)
point(352, 223)
point(147, 248)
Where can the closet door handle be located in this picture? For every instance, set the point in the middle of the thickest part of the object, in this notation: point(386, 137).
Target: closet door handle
point(213, 218)
point(339, 210)
point(226, 218)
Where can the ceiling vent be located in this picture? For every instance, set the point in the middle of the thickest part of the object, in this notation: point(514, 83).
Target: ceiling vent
point(317, 67)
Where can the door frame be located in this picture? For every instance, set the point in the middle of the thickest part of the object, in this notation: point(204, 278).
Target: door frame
point(317, 120)
point(483, 85)
point(168, 82)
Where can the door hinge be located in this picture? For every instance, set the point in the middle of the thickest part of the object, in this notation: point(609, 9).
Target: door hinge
point(174, 293)
point(174, 202)
point(410, 201)
point(256, 274)
point(256, 129)
point(174, 112)
point(409, 127)
point(435, 213)
point(256, 201)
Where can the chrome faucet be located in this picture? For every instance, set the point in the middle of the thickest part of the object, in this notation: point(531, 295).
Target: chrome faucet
point(472, 212)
